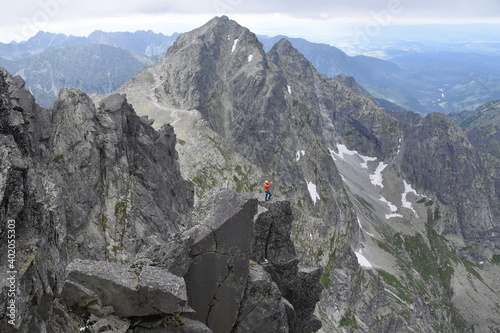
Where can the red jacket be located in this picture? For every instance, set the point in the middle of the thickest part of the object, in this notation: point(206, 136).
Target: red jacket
point(267, 186)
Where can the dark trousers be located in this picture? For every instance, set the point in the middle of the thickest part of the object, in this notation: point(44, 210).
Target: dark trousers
point(268, 195)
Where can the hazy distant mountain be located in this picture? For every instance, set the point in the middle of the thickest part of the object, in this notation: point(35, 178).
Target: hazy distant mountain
point(5, 63)
point(99, 63)
point(140, 42)
point(41, 42)
point(423, 81)
point(93, 68)
point(450, 81)
point(145, 43)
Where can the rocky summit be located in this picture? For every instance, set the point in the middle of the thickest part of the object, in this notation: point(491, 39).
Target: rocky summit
point(140, 211)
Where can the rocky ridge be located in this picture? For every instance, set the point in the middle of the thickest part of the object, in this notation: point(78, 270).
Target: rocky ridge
point(107, 234)
point(372, 201)
point(481, 127)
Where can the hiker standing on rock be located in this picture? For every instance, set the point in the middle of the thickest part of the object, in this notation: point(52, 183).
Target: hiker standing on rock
point(267, 186)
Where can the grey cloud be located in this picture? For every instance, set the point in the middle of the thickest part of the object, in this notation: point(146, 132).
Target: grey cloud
point(364, 7)
point(296, 8)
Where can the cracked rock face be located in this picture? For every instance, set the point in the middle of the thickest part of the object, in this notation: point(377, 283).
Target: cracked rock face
point(216, 279)
point(263, 307)
point(238, 281)
point(274, 248)
point(457, 173)
point(89, 183)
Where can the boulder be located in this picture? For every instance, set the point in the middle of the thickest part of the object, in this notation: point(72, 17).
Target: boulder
point(110, 324)
point(176, 325)
point(132, 293)
point(172, 255)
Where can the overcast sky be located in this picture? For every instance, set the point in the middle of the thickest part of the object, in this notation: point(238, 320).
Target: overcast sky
point(313, 19)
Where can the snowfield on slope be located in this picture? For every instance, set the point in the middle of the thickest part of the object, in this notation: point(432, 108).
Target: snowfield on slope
point(364, 175)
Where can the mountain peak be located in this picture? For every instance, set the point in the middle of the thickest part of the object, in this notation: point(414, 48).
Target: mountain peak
point(215, 34)
point(219, 19)
point(284, 43)
point(217, 23)
point(201, 60)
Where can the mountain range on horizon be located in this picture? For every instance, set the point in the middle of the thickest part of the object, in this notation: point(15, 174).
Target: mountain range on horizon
point(423, 81)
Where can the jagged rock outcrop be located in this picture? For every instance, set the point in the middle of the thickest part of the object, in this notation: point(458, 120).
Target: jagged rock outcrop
point(81, 182)
point(274, 247)
point(106, 235)
point(439, 159)
point(263, 308)
point(229, 292)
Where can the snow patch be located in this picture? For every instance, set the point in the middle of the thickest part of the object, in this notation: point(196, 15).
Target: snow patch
point(234, 45)
point(343, 150)
point(392, 207)
point(404, 201)
point(359, 223)
point(366, 159)
point(289, 89)
point(298, 154)
point(376, 178)
point(312, 191)
point(388, 216)
point(363, 262)
point(250, 57)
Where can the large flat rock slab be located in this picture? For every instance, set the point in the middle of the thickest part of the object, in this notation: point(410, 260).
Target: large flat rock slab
point(132, 292)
